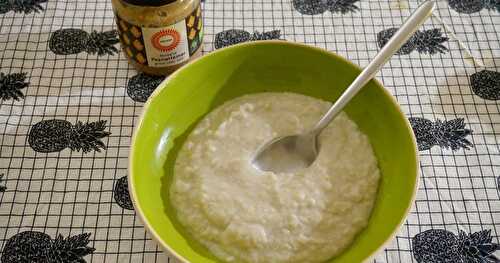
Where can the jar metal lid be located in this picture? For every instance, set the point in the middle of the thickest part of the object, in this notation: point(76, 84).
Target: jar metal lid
point(149, 2)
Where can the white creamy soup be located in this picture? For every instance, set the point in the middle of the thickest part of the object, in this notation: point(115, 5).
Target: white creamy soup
point(242, 214)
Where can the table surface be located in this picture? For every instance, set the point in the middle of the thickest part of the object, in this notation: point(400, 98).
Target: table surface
point(72, 193)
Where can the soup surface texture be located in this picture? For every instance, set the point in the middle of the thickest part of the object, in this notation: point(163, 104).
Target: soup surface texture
point(242, 214)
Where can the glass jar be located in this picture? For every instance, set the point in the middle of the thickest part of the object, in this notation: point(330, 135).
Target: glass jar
point(159, 36)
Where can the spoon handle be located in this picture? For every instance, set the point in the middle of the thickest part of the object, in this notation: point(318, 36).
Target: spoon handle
point(408, 28)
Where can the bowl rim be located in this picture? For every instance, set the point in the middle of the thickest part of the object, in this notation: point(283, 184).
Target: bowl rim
point(174, 75)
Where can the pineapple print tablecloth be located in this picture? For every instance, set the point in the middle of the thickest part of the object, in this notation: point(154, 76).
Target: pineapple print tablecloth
point(67, 113)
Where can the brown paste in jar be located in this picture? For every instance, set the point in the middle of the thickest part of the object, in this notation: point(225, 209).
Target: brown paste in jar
point(159, 36)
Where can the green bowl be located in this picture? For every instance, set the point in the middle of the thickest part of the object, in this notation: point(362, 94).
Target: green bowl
point(197, 88)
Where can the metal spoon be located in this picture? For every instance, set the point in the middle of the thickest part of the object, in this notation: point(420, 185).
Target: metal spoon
point(294, 152)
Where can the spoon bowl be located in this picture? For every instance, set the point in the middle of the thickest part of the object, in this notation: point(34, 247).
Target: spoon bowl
point(287, 153)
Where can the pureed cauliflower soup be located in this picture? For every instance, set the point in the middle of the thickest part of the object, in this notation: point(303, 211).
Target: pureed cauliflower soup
point(242, 214)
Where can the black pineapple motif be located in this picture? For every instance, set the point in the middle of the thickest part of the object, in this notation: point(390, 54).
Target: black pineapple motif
point(486, 84)
point(11, 86)
point(122, 195)
point(447, 134)
point(310, 7)
point(474, 6)
point(38, 247)
point(438, 245)
point(55, 135)
point(140, 86)
point(21, 6)
point(2, 188)
point(315, 7)
point(427, 41)
point(73, 41)
point(342, 6)
point(235, 36)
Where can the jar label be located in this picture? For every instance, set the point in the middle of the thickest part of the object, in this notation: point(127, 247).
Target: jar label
point(162, 46)
point(166, 46)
